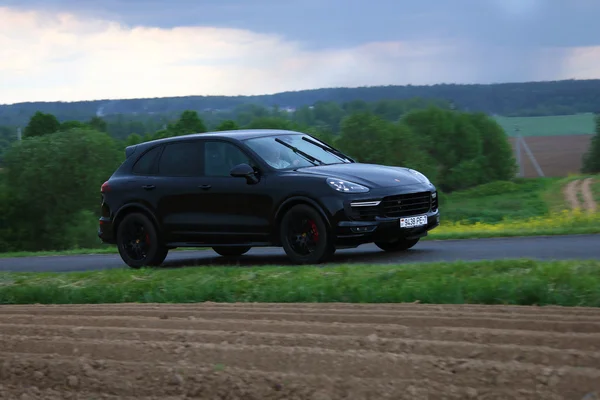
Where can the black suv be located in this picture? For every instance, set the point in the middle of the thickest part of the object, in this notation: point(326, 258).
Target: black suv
point(240, 189)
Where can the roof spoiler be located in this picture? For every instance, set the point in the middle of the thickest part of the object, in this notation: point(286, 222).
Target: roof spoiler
point(129, 150)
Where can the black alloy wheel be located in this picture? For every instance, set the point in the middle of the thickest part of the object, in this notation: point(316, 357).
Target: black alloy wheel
point(138, 242)
point(304, 236)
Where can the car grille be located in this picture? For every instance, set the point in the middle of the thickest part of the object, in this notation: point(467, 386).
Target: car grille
point(402, 205)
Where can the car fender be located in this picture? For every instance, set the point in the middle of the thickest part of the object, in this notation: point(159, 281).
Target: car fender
point(134, 206)
point(300, 199)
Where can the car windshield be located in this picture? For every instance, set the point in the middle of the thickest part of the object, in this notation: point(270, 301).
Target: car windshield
point(294, 151)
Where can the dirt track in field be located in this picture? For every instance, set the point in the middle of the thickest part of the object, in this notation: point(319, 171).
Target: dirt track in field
point(574, 189)
point(298, 351)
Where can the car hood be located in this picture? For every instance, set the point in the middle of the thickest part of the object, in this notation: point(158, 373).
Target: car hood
point(370, 175)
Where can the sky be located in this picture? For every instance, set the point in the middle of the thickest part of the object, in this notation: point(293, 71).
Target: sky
point(70, 50)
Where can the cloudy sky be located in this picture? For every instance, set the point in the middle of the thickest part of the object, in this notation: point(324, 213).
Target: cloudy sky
point(87, 49)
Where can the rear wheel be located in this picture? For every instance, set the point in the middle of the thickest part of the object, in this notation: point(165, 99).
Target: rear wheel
point(397, 245)
point(231, 251)
point(304, 236)
point(138, 242)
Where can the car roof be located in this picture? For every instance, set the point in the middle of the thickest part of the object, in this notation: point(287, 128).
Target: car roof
point(239, 134)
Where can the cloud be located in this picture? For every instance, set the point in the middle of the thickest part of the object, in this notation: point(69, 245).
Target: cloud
point(50, 56)
point(581, 63)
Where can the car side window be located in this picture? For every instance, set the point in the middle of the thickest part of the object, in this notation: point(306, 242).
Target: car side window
point(146, 164)
point(181, 159)
point(220, 157)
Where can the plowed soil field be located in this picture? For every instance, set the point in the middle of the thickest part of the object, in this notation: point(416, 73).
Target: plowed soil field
point(298, 351)
point(557, 156)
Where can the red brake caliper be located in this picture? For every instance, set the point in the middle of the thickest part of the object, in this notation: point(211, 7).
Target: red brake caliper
point(315, 231)
point(148, 239)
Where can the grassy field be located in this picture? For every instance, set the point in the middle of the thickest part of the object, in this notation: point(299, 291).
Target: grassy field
point(521, 282)
point(519, 199)
point(549, 126)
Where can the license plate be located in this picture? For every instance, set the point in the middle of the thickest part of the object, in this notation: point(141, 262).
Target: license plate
point(411, 222)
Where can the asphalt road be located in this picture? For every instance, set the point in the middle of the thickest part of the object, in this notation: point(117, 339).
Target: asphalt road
point(541, 248)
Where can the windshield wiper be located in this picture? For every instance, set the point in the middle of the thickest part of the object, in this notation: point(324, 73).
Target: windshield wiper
point(328, 149)
point(298, 151)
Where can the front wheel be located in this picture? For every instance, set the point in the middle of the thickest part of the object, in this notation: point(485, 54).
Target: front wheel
point(138, 242)
point(304, 236)
point(397, 245)
point(231, 251)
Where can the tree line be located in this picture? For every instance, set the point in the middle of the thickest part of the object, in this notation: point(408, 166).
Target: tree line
point(508, 99)
point(591, 159)
point(49, 185)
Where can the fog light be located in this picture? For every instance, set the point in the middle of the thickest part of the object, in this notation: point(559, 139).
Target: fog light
point(362, 229)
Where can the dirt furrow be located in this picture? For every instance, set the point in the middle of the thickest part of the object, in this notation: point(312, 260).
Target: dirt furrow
point(29, 392)
point(73, 375)
point(570, 192)
point(384, 308)
point(576, 341)
point(373, 343)
point(298, 351)
point(350, 363)
point(534, 314)
point(424, 320)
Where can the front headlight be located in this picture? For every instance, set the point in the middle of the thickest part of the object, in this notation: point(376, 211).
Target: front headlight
point(346, 186)
point(423, 178)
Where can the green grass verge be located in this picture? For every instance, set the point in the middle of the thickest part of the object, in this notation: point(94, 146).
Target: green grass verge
point(521, 282)
point(554, 125)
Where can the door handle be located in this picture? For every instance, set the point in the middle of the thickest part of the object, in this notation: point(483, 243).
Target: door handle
point(148, 187)
point(205, 187)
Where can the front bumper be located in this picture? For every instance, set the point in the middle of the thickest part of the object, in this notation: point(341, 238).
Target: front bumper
point(377, 215)
point(355, 233)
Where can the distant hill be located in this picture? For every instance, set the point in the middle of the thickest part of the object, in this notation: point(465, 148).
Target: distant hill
point(507, 99)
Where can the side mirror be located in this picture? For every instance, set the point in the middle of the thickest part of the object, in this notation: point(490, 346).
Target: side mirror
point(244, 171)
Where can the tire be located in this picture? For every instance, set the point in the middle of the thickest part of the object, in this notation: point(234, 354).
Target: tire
point(314, 245)
point(397, 245)
point(137, 231)
point(231, 251)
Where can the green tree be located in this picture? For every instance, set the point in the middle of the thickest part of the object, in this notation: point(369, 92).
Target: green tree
point(133, 139)
point(328, 114)
point(403, 149)
point(591, 159)
point(371, 139)
point(54, 181)
point(271, 123)
point(227, 125)
point(363, 137)
point(498, 163)
point(98, 124)
point(189, 122)
point(65, 126)
point(469, 149)
point(41, 124)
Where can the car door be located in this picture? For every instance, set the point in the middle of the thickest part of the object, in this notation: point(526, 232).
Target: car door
point(178, 188)
point(234, 210)
point(140, 186)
